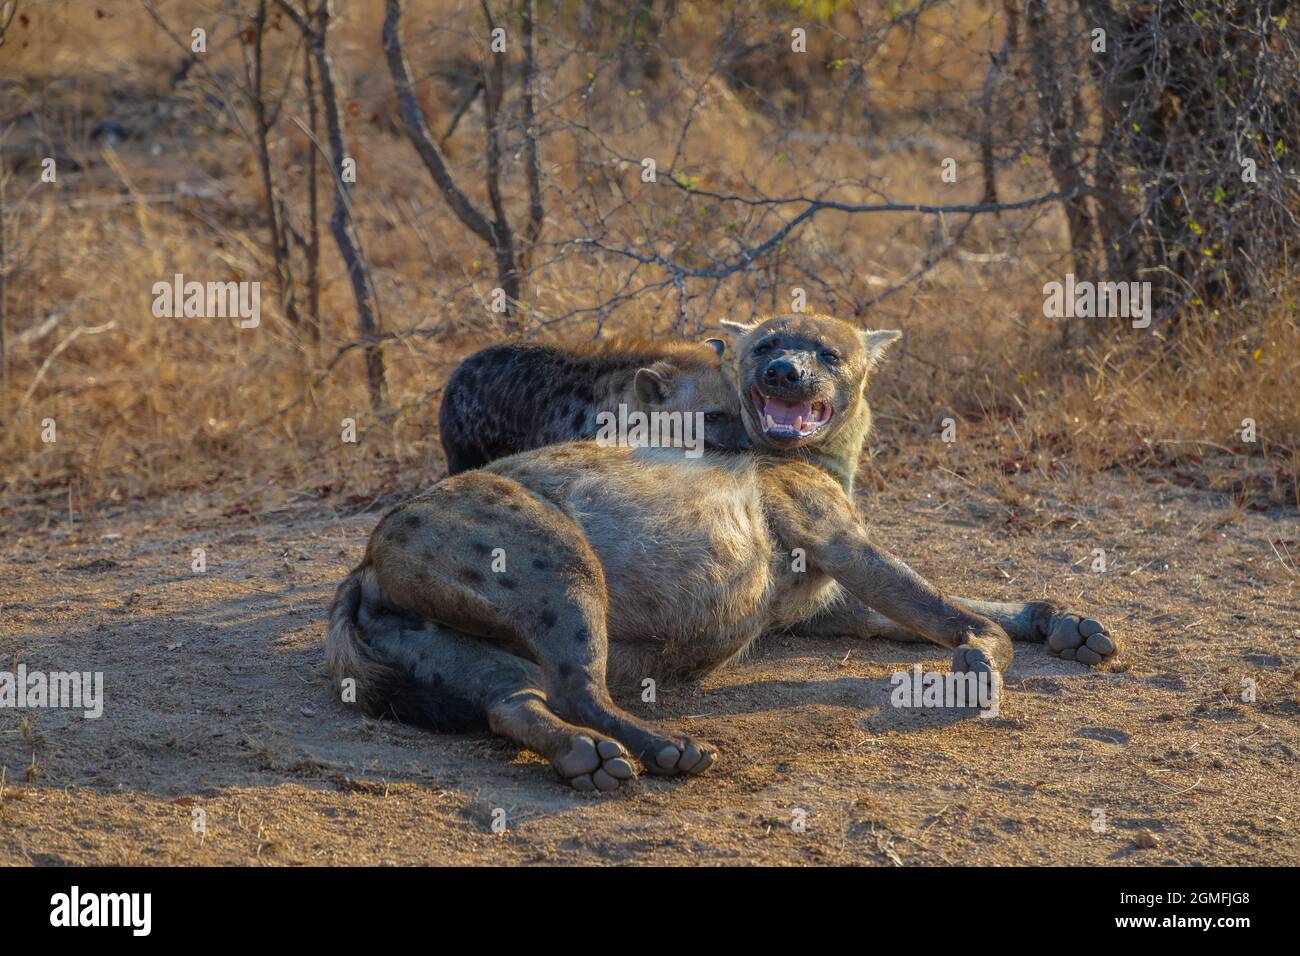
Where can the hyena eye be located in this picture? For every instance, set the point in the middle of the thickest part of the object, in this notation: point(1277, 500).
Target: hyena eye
point(829, 357)
point(763, 348)
point(714, 416)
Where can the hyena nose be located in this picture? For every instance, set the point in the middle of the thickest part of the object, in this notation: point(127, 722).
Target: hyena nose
point(783, 370)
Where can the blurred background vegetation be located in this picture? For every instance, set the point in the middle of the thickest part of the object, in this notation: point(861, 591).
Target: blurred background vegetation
point(1167, 156)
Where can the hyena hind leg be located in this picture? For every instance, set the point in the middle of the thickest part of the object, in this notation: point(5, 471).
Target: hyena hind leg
point(558, 612)
point(506, 689)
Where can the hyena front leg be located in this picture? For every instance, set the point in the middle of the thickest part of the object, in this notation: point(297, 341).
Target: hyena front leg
point(507, 690)
point(481, 554)
point(885, 584)
point(1067, 635)
point(849, 617)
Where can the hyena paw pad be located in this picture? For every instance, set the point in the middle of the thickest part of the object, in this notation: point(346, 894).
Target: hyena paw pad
point(681, 756)
point(970, 659)
point(591, 764)
point(1081, 639)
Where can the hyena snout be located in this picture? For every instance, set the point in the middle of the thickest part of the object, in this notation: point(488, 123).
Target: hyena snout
point(784, 372)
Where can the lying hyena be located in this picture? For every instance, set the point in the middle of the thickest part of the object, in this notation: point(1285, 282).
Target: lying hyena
point(513, 595)
point(512, 398)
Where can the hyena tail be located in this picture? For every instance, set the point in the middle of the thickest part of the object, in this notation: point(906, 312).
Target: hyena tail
point(357, 677)
point(381, 684)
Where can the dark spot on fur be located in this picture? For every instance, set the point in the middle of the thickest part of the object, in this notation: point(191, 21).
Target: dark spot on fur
point(411, 520)
point(506, 583)
point(398, 537)
point(469, 576)
point(566, 670)
point(548, 619)
point(429, 555)
point(480, 547)
point(579, 420)
point(539, 564)
point(581, 635)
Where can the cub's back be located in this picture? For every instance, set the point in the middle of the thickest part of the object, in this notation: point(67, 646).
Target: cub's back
point(511, 398)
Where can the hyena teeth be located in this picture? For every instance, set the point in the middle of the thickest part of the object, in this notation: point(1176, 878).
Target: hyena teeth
point(769, 422)
point(798, 424)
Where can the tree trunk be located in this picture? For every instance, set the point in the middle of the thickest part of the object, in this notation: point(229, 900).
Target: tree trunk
point(1061, 140)
point(313, 210)
point(341, 223)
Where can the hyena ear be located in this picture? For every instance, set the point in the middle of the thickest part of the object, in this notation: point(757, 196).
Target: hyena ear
point(877, 342)
point(739, 328)
point(651, 386)
point(719, 346)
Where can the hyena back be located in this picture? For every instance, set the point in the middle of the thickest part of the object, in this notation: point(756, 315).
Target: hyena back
point(512, 398)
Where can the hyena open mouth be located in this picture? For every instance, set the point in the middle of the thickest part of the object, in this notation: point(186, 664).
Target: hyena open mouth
point(785, 419)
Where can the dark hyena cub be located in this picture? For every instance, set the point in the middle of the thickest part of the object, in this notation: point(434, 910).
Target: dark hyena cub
point(512, 398)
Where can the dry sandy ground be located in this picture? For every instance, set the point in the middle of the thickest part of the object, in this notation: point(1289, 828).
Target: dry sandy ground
point(217, 702)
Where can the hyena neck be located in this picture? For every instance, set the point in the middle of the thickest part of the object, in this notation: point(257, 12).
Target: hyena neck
point(839, 456)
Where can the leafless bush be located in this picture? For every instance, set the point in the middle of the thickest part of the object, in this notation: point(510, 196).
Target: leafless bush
point(1176, 135)
point(644, 168)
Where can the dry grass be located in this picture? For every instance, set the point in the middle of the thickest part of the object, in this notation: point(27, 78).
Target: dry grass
point(145, 406)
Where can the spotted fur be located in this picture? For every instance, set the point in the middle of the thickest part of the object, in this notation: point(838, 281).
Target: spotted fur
point(512, 398)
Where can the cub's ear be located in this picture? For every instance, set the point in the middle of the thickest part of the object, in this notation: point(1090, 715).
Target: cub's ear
point(877, 343)
point(719, 346)
point(739, 328)
point(651, 386)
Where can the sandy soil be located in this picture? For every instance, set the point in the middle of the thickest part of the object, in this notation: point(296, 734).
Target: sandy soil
point(217, 702)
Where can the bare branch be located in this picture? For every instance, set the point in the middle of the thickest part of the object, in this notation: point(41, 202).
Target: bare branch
point(531, 159)
point(417, 130)
point(342, 221)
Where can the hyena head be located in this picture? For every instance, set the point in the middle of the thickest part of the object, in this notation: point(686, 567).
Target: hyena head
point(803, 381)
point(693, 380)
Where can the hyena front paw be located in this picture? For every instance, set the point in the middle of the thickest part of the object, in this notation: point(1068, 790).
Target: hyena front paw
point(594, 764)
point(1073, 638)
point(971, 659)
point(986, 649)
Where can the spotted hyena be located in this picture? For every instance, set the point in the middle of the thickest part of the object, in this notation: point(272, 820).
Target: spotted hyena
point(514, 596)
point(512, 398)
